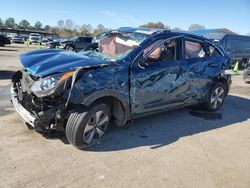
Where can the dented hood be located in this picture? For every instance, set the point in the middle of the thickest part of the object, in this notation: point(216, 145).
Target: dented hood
point(41, 63)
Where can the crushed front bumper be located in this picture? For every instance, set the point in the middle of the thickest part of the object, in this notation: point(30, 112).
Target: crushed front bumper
point(29, 118)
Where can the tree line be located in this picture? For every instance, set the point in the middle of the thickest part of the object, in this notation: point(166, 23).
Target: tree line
point(66, 28)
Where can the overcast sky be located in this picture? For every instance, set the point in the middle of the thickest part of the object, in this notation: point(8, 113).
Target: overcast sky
point(232, 14)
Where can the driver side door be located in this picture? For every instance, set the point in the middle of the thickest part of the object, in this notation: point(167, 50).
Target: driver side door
point(158, 78)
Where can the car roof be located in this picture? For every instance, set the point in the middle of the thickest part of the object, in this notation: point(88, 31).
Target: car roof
point(134, 29)
point(153, 31)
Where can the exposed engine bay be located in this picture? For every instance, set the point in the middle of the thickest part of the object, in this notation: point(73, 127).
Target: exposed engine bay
point(50, 110)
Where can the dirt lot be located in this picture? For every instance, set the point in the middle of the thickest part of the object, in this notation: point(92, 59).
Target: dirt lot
point(182, 148)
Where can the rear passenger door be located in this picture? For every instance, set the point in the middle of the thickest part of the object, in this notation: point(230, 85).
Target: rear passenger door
point(197, 60)
point(215, 60)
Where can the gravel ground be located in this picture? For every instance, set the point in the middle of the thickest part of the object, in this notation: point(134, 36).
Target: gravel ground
point(181, 148)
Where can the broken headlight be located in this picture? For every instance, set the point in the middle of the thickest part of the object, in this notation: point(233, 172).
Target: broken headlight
point(47, 86)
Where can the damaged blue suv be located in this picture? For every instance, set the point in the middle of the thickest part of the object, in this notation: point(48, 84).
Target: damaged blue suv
point(132, 72)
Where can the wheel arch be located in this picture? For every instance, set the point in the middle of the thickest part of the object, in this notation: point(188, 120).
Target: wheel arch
point(118, 103)
point(224, 80)
point(69, 45)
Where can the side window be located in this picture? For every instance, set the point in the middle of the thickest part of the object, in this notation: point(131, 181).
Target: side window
point(88, 39)
point(212, 51)
point(238, 44)
point(161, 51)
point(194, 50)
point(81, 39)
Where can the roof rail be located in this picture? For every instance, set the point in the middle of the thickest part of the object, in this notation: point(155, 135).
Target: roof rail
point(166, 30)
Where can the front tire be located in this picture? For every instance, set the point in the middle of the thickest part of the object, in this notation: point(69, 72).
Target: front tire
point(87, 127)
point(2, 43)
point(216, 97)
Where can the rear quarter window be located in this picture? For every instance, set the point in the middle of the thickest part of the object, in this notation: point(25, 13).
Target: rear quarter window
point(213, 51)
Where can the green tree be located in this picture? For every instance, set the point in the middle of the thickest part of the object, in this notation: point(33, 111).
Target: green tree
point(100, 29)
point(196, 27)
point(60, 24)
point(1, 23)
point(153, 25)
point(69, 24)
point(24, 24)
point(38, 25)
point(46, 27)
point(86, 29)
point(9, 23)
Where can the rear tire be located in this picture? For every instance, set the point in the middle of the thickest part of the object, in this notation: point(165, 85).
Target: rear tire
point(85, 128)
point(216, 97)
point(70, 48)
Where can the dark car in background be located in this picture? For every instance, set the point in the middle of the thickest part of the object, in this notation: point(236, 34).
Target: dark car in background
point(133, 73)
point(4, 40)
point(237, 47)
point(55, 43)
point(76, 43)
point(18, 39)
point(45, 40)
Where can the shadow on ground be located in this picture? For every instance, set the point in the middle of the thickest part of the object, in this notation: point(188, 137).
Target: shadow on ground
point(162, 129)
point(166, 128)
point(8, 50)
point(6, 74)
point(5, 103)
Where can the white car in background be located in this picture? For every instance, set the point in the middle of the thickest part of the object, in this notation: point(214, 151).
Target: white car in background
point(35, 38)
point(11, 35)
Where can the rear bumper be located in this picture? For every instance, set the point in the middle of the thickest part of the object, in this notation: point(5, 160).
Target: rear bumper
point(29, 118)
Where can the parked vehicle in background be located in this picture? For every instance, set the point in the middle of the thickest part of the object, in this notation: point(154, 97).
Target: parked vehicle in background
point(135, 72)
point(246, 74)
point(11, 35)
point(76, 43)
point(54, 43)
point(237, 47)
point(18, 39)
point(35, 38)
point(4, 40)
point(45, 40)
